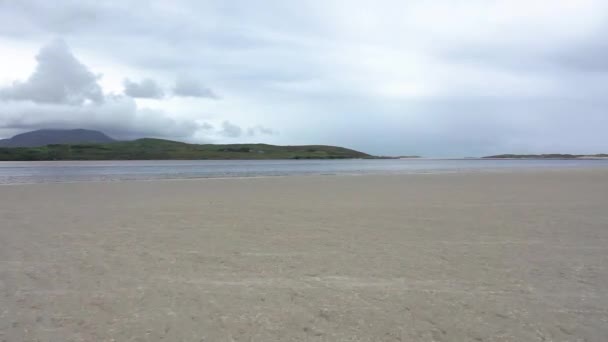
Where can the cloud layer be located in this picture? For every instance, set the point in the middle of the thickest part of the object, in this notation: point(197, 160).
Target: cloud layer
point(147, 89)
point(189, 87)
point(438, 78)
point(63, 93)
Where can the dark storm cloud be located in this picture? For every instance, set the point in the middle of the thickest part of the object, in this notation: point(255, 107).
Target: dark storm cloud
point(147, 88)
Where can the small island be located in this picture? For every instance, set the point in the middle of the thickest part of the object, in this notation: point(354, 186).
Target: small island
point(548, 156)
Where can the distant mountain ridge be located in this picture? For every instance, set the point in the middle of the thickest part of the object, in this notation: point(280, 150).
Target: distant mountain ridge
point(105, 148)
point(45, 137)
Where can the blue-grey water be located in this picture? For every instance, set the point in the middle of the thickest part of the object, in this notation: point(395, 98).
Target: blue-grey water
point(84, 171)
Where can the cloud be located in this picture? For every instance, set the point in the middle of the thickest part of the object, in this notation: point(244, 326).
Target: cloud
point(63, 93)
point(231, 130)
point(438, 78)
point(206, 126)
point(118, 116)
point(260, 130)
point(59, 78)
point(188, 87)
point(147, 88)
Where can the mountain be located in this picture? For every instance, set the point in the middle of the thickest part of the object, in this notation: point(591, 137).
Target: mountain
point(55, 136)
point(158, 149)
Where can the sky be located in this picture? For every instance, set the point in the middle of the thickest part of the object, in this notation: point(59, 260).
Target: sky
point(435, 78)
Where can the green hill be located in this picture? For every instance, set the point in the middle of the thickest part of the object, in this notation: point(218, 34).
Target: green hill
point(149, 149)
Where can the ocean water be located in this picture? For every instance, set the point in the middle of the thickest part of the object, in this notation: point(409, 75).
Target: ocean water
point(87, 171)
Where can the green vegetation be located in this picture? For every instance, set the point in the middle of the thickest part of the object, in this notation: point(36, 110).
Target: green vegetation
point(150, 149)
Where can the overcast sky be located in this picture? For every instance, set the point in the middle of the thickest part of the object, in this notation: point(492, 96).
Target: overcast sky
point(392, 77)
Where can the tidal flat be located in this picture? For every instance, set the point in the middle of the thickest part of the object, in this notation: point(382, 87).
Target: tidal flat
point(494, 256)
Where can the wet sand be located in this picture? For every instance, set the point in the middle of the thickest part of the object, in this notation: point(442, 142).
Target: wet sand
point(447, 257)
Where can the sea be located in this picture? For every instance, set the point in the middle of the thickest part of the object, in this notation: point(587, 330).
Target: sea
point(95, 171)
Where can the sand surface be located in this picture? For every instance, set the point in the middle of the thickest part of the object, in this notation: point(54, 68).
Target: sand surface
point(447, 257)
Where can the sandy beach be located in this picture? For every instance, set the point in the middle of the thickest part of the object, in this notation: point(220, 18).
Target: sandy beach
point(509, 256)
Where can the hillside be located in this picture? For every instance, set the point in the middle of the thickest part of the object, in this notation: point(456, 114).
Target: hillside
point(45, 137)
point(546, 156)
point(151, 149)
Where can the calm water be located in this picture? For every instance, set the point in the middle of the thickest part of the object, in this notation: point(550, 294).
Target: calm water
point(82, 171)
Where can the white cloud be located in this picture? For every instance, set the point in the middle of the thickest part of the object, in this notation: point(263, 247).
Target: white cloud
point(59, 78)
point(63, 93)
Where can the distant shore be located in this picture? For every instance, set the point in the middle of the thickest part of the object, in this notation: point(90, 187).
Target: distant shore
point(159, 149)
point(548, 156)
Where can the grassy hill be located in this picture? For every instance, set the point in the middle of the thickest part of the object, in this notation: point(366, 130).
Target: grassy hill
point(149, 149)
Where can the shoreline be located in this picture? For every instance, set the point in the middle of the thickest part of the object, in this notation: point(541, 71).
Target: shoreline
point(341, 174)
